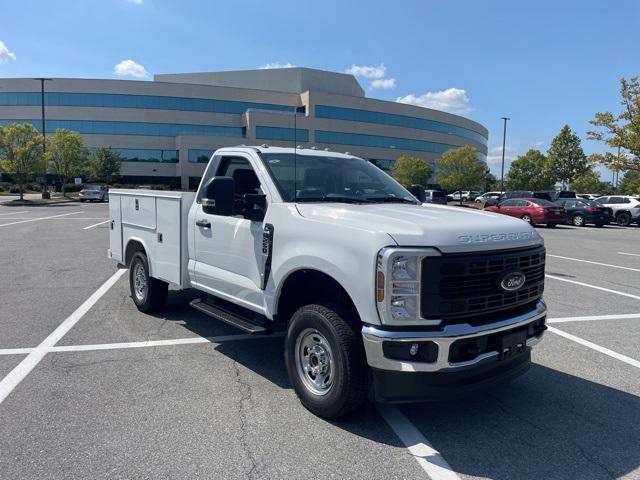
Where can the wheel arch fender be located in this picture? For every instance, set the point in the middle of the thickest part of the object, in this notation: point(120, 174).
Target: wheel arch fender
point(304, 285)
point(134, 245)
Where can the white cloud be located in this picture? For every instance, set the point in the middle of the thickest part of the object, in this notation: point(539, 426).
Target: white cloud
point(538, 144)
point(269, 66)
point(495, 155)
point(368, 71)
point(452, 100)
point(5, 54)
point(383, 83)
point(129, 68)
point(137, 2)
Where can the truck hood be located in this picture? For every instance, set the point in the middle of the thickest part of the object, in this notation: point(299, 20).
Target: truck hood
point(449, 229)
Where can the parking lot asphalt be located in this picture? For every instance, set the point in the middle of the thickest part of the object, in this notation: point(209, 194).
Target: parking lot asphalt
point(178, 395)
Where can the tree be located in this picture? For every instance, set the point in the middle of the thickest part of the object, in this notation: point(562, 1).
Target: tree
point(589, 182)
point(105, 164)
point(460, 169)
point(491, 182)
point(21, 151)
point(630, 183)
point(566, 157)
point(410, 170)
point(621, 130)
point(67, 155)
point(530, 172)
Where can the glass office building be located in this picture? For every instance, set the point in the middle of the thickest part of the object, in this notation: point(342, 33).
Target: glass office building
point(166, 129)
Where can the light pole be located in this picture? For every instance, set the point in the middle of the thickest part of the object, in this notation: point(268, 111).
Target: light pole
point(45, 193)
point(504, 143)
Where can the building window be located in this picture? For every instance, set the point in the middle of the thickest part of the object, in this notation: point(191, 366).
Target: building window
point(199, 156)
point(114, 100)
point(279, 133)
point(144, 155)
point(343, 138)
point(357, 115)
point(134, 128)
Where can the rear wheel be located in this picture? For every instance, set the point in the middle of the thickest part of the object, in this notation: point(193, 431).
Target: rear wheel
point(599, 225)
point(551, 225)
point(526, 218)
point(148, 293)
point(325, 361)
point(578, 220)
point(623, 219)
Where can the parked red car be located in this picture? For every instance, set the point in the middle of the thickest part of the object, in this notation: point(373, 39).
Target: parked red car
point(532, 210)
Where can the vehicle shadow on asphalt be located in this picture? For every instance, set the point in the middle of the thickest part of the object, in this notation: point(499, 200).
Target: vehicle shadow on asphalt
point(547, 424)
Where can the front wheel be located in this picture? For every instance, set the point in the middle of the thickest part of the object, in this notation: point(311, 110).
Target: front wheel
point(325, 361)
point(148, 293)
point(526, 218)
point(551, 225)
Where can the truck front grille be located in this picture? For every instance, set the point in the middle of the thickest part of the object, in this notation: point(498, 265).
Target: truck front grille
point(458, 286)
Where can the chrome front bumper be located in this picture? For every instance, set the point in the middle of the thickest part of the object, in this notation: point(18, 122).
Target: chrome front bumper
point(374, 336)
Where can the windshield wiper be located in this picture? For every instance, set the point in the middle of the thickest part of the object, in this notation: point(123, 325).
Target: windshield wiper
point(391, 200)
point(337, 199)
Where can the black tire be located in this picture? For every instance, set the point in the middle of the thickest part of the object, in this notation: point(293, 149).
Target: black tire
point(599, 225)
point(623, 219)
point(551, 225)
point(578, 220)
point(349, 372)
point(527, 218)
point(152, 297)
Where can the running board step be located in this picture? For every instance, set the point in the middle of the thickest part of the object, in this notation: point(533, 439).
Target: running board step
point(248, 325)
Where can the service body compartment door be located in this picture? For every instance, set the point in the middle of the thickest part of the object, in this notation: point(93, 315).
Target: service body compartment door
point(115, 229)
point(139, 211)
point(168, 257)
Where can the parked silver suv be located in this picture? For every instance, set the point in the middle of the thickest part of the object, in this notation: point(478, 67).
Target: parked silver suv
point(626, 209)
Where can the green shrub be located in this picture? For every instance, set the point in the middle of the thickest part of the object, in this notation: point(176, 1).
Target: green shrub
point(72, 187)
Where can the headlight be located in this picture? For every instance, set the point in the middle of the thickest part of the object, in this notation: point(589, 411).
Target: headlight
point(398, 285)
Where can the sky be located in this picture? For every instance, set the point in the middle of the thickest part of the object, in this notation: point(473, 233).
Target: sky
point(541, 63)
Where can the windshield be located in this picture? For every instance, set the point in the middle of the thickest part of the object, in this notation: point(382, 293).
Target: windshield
point(92, 187)
point(330, 179)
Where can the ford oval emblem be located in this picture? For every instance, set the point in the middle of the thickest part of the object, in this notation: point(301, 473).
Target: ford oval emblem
point(512, 281)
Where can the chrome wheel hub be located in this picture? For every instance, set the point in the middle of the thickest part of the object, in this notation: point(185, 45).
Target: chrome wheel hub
point(314, 361)
point(140, 282)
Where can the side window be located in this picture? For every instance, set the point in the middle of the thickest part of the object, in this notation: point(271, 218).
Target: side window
point(522, 203)
point(616, 200)
point(508, 203)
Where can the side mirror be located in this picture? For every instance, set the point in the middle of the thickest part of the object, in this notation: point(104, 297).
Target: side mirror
point(218, 196)
point(418, 192)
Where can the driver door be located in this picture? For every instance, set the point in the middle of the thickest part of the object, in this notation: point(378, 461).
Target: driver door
point(228, 249)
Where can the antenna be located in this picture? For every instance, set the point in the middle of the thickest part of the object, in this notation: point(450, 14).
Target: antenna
point(295, 154)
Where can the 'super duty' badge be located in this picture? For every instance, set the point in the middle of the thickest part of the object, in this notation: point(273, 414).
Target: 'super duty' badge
point(512, 281)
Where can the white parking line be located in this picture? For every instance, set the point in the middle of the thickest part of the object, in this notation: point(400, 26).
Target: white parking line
point(40, 218)
point(632, 254)
point(95, 225)
point(588, 285)
point(161, 343)
point(14, 213)
point(15, 351)
point(596, 347)
point(15, 376)
point(593, 317)
point(595, 263)
point(427, 457)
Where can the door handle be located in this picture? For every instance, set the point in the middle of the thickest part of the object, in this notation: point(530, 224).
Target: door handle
point(203, 223)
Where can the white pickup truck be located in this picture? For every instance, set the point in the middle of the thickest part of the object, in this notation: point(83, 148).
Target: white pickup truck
point(378, 293)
